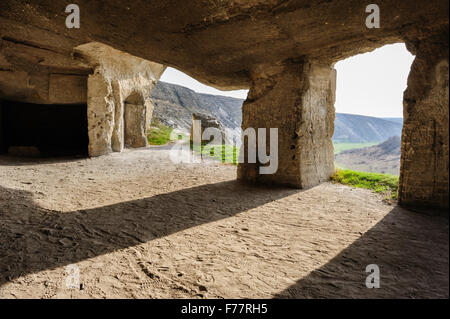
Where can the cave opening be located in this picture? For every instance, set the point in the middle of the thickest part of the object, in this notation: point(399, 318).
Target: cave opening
point(369, 109)
point(40, 130)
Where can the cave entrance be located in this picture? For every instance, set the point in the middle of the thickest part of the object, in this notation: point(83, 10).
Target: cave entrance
point(369, 109)
point(37, 130)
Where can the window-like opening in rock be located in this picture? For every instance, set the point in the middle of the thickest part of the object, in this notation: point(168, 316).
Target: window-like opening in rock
point(369, 109)
point(178, 96)
point(43, 130)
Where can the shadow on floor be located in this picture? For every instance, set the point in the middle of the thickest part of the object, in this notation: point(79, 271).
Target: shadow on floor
point(411, 250)
point(8, 160)
point(34, 239)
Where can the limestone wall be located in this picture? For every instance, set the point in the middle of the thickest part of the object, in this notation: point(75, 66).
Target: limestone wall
point(119, 82)
point(424, 172)
point(35, 67)
point(92, 73)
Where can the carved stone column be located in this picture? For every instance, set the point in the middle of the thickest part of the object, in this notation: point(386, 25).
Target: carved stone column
point(298, 100)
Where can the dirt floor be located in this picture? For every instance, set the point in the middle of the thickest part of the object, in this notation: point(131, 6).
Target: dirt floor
point(138, 226)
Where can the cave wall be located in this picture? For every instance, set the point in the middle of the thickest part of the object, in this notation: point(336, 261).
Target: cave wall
point(118, 78)
point(424, 171)
point(33, 72)
point(92, 74)
point(219, 42)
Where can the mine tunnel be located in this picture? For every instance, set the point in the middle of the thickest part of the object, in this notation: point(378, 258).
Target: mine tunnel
point(40, 130)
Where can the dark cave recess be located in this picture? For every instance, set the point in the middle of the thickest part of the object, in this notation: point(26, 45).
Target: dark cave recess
point(43, 130)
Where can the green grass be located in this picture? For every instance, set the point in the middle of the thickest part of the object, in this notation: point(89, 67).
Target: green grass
point(159, 134)
point(380, 183)
point(341, 146)
point(225, 153)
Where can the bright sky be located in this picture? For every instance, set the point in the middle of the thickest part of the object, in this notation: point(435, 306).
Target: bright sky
point(373, 83)
point(367, 84)
point(174, 76)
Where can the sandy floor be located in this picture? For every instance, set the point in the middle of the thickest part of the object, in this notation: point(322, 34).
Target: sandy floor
point(137, 226)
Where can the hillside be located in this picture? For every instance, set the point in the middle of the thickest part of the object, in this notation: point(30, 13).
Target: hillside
point(394, 119)
point(360, 129)
point(381, 158)
point(175, 104)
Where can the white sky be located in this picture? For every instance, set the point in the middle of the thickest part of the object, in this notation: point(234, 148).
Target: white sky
point(368, 84)
point(373, 83)
point(174, 76)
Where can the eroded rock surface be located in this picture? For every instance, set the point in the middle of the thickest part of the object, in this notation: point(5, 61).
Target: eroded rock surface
point(118, 93)
point(424, 178)
point(218, 42)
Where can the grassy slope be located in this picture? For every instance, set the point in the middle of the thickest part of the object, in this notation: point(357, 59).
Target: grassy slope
point(385, 184)
point(159, 134)
point(225, 153)
point(338, 147)
point(380, 183)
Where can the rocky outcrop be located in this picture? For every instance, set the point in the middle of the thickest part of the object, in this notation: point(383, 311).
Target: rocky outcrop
point(200, 123)
point(36, 66)
point(174, 105)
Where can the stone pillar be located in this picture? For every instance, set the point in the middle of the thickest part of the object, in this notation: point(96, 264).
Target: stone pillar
point(118, 136)
point(135, 115)
point(149, 108)
point(424, 177)
point(298, 99)
point(101, 109)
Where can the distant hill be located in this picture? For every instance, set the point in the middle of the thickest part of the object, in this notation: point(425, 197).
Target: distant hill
point(394, 119)
point(175, 104)
point(360, 129)
point(381, 158)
